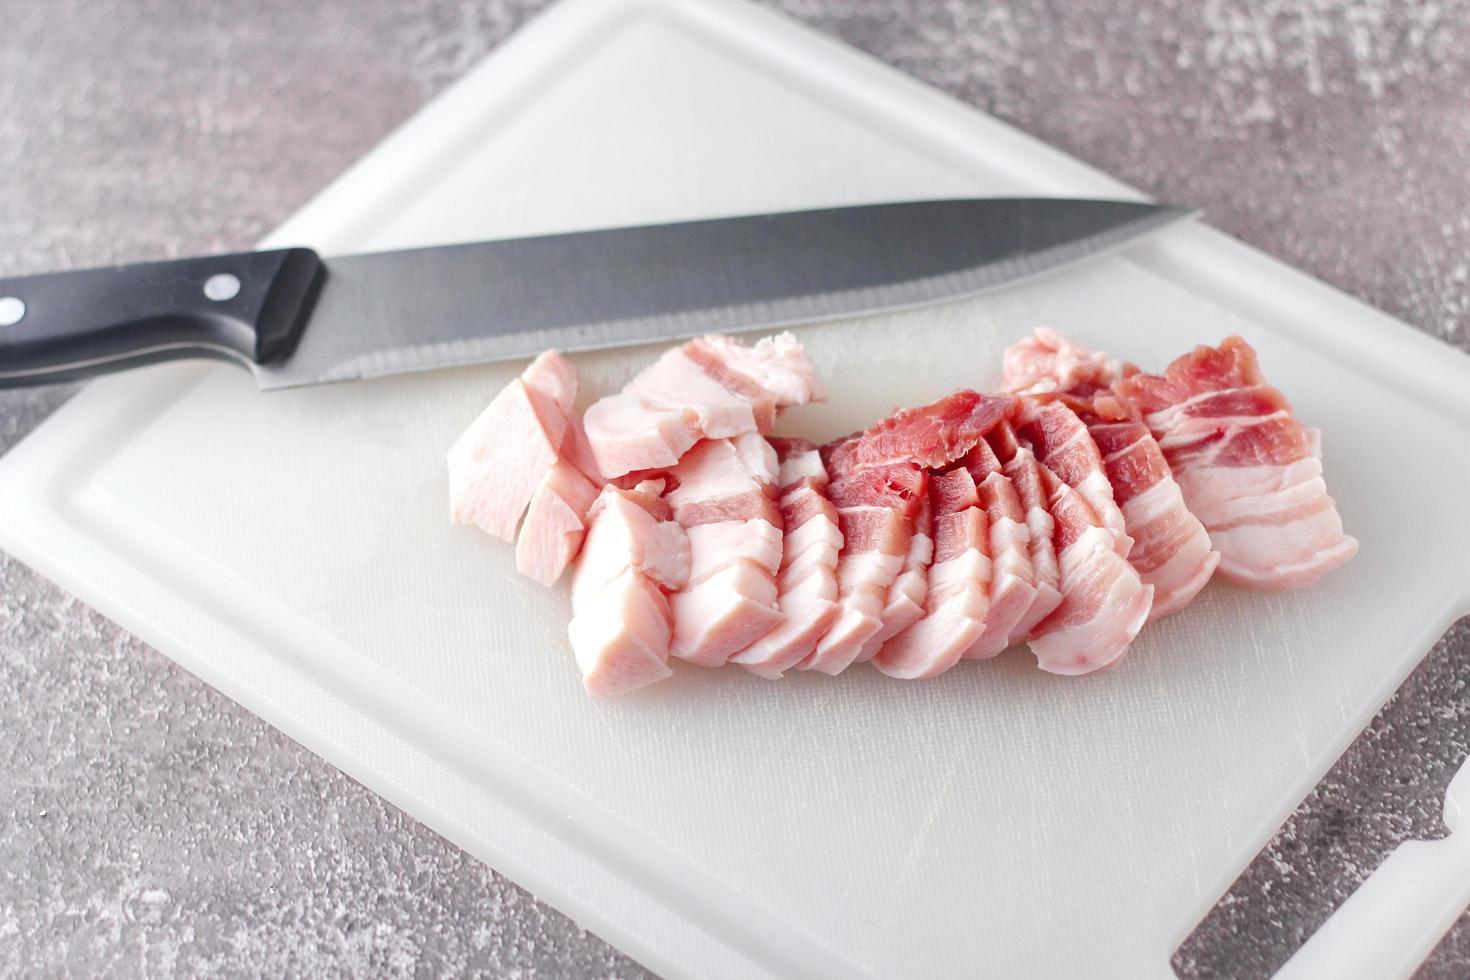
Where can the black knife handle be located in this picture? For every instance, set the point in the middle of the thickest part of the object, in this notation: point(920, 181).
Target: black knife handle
point(62, 326)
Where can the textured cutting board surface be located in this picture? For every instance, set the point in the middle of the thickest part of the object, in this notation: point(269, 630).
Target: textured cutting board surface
point(293, 549)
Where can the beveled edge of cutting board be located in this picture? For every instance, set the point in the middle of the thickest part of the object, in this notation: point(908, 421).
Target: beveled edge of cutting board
point(51, 513)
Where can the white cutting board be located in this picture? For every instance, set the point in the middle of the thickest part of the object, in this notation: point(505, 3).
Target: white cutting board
point(294, 550)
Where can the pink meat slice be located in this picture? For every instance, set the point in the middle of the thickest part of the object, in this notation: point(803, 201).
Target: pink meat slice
point(773, 374)
point(1062, 444)
point(957, 597)
point(713, 546)
point(1024, 473)
point(552, 381)
point(622, 624)
point(630, 529)
point(723, 614)
point(878, 539)
point(1171, 549)
point(625, 435)
point(1049, 361)
point(905, 603)
point(500, 460)
point(807, 604)
point(797, 459)
point(555, 523)
point(725, 480)
point(876, 509)
point(1013, 587)
point(709, 388)
point(724, 496)
point(931, 436)
point(1104, 602)
point(576, 450)
point(1245, 466)
point(620, 636)
point(813, 534)
point(806, 581)
point(678, 383)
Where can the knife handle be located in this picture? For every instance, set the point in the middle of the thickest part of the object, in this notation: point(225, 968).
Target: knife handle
point(63, 326)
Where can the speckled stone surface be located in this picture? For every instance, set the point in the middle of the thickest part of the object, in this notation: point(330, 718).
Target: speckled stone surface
point(148, 826)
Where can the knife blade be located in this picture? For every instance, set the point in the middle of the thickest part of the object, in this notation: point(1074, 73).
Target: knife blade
point(295, 319)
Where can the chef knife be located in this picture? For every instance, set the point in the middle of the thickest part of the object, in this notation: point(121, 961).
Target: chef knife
point(294, 318)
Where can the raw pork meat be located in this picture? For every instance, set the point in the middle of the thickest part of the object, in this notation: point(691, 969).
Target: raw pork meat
point(1171, 549)
point(878, 526)
point(576, 450)
point(621, 624)
point(807, 582)
point(1049, 361)
point(879, 484)
point(958, 586)
point(876, 508)
point(931, 436)
point(1021, 468)
point(709, 388)
point(1067, 512)
point(774, 374)
point(724, 497)
point(1104, 603)
point(496, 466)
point(1061, 443)
point(1247, 468)
point(905, 603)
point(1013, 588)
point(555, 523)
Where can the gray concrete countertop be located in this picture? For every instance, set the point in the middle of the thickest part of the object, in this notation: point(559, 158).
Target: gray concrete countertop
point(149, 826)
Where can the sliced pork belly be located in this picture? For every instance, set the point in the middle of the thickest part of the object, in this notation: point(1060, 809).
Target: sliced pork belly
point(1245, 466)
point(806, 582)
point(1024, 473)
point(725, 480)
point(958, 585)
point(772, 375)
point(621, 626)
point(625, 434)
point(552, 381)
point(797, 460)
point(801, 505)
point(931, 436)
point(576, 450)
point(724, 496)
point(497, 464)
point(620, 636)
point(555, 523)
point(1104, 603)
point(878, 538)
point(905, 603)
point(1061, 443)
point(876, 508)
point(1013, 587)
point(723, 614)
point(713, 546)
point(1171, 548)
point(1048, 361)
point(710, 388)
point(631, 529)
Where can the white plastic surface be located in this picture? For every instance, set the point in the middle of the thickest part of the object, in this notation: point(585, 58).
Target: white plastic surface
point(1386, 928)
point(293, 549)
